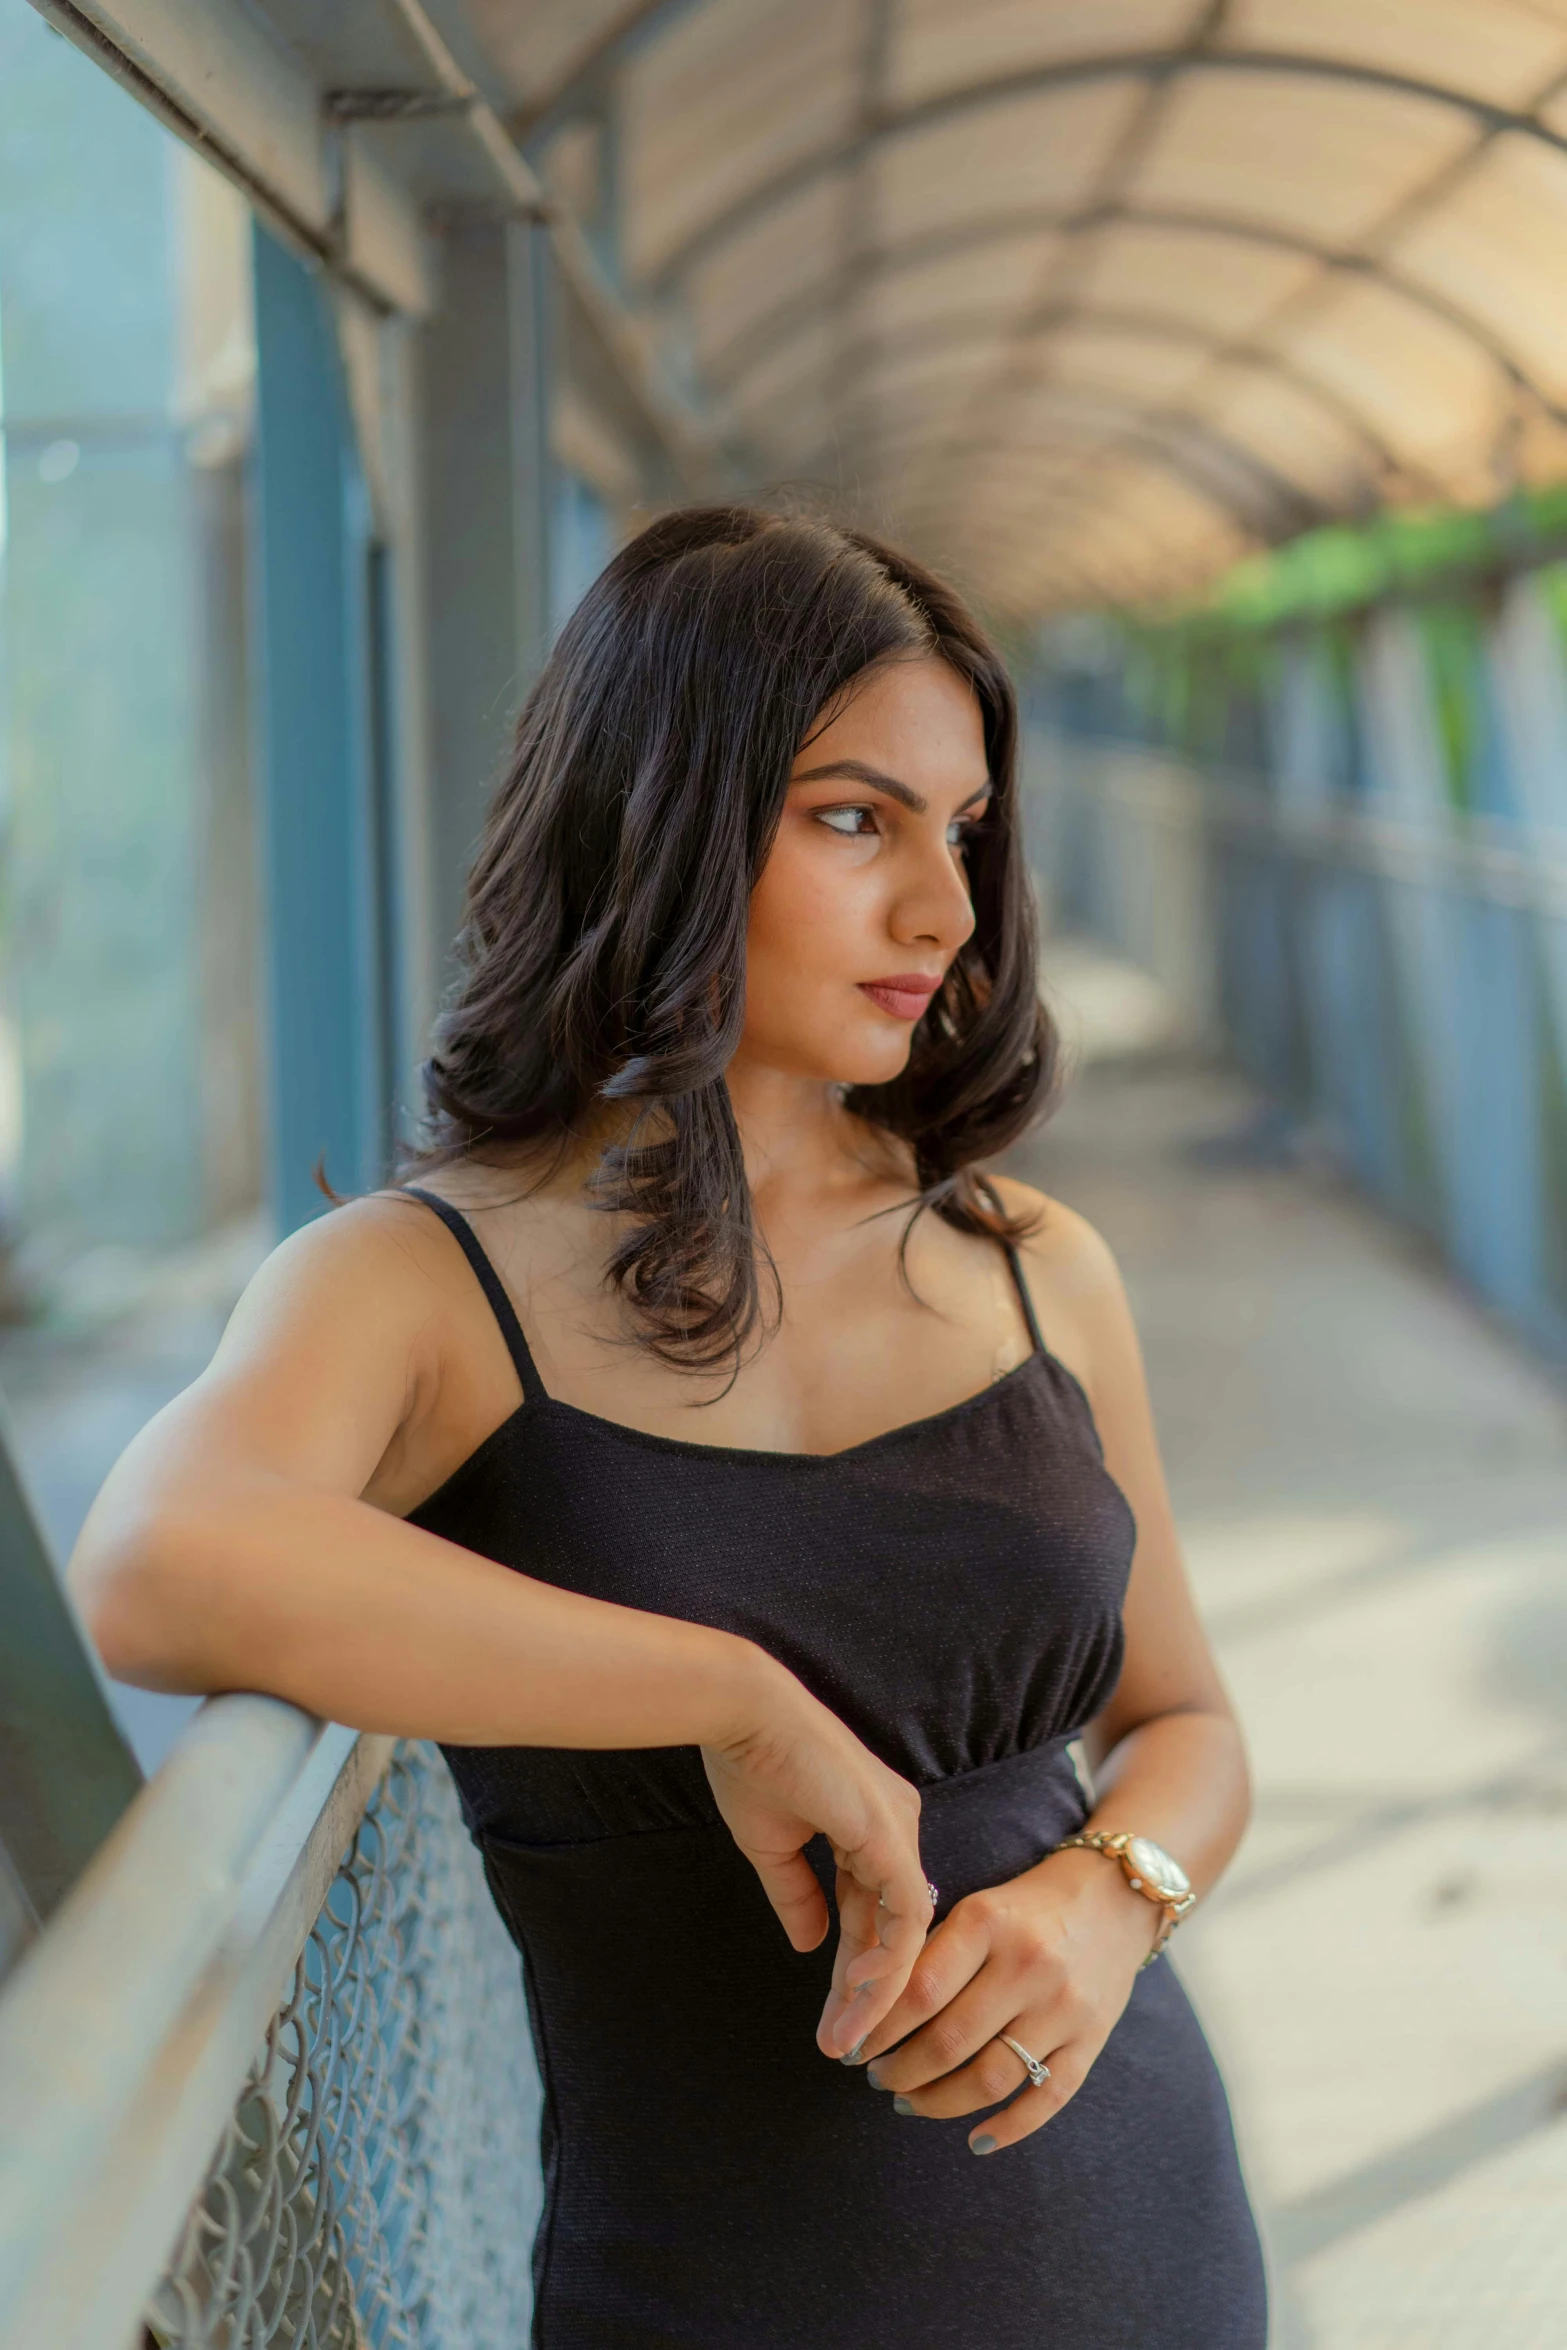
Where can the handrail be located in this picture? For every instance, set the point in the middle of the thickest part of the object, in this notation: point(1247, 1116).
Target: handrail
point(1509, 864)
point(128, 2029)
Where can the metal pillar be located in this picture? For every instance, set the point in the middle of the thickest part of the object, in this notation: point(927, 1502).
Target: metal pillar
point(322, 613)
point(1529, 676)
point(1467, 1019)
point(486, 363)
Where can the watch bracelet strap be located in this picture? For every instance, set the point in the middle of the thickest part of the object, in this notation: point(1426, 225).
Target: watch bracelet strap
point(1112, 1844)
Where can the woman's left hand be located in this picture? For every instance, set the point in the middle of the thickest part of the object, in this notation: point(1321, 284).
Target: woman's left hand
point(1049, 1958)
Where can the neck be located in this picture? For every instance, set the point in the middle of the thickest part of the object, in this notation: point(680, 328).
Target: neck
point(800, 1143)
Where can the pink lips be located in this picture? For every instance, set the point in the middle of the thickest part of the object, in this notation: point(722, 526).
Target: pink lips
point(905, 995)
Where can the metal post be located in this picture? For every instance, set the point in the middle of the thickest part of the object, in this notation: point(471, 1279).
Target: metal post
point(531, 271)
point(485, 364)
point(1465, 1022)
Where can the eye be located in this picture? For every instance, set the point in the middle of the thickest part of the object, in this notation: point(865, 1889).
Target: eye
point(963, 828)
point(852, 823)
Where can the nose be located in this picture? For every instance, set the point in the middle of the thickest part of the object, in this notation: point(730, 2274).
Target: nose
point(933, 907)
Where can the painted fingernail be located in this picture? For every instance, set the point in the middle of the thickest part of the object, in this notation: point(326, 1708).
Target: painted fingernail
point(852, 2055)
point(983, 2144)
point(901, 2105)
point(872, 2075)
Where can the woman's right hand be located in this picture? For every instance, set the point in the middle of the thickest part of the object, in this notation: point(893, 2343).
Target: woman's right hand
point(794, 1771)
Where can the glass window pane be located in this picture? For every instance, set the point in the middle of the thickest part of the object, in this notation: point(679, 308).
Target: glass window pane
point(130, 1141)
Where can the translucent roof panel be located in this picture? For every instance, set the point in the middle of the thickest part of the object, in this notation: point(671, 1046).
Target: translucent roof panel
point(937, 45)
point(1078, 291)
point(772, 270)
point(1308, 436)
point(1495, 253)
point(1218, 285)
point(784, 69)
point(1506, 51)
point(1039, 152)
point(1430, 392)
point(1324, 158)
point(937, 293)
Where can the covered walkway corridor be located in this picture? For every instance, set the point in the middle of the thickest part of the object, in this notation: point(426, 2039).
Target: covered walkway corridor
point(1217, 348)
point(1371, 1478)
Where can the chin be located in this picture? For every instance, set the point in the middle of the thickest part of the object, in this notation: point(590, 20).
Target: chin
point(860, 1048)
point(871, 1060)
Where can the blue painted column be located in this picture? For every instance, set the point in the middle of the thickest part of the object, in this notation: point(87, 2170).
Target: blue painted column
point(324, 747)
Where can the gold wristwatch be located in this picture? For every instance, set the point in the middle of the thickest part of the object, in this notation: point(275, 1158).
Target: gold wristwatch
point(1148, 1869)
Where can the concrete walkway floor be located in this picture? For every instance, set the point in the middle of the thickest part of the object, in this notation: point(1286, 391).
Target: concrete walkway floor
point(1372, 1483)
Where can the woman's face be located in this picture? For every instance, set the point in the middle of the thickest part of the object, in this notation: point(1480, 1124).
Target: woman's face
point(864, 901)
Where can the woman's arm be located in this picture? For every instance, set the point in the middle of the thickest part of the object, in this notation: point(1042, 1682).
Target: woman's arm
point(1051, 1957)
point(231, 1548)
point(1167, 1755)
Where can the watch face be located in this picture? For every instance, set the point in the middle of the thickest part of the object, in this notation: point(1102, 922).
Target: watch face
point(1154, 1865)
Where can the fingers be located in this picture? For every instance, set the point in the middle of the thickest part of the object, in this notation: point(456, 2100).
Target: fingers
point(950, 1958)
point(789, 1881)
point(958, 2063)
point(944, 2057)
point(885, 1911)
point(955, 2063)
point(1069, 2069)
point(860, 1986)
point(993, 2074)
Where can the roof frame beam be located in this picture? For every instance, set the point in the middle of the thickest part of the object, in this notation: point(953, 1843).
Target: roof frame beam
point(582, 85)
point(1086, 565)
point(775, 326)
point(1283, 505)
point(306, 159)
point(1147, 65)
point(1200, 463)
point(1403, 210)
point(1159, 327)
point(1068, 493)
point(1066, 264)
point(693, 451)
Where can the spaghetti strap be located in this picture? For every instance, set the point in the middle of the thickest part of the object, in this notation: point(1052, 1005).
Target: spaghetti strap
point(1020, 1283)
point(457, 1224)
point(1015, 1268)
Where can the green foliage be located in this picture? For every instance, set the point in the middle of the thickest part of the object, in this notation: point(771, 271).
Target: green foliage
point(1347, 567)
point(1200, 671)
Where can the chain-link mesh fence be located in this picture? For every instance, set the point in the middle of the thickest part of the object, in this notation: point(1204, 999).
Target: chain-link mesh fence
point(377, 2186)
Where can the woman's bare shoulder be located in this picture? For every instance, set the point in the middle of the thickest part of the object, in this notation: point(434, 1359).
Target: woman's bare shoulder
point(366, 1274)
point(378, 1237)
point(1061, 1247)
point(393, 1233)
point(1078, 1295)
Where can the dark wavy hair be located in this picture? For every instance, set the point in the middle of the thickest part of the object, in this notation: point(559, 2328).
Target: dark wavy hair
point(602, 954)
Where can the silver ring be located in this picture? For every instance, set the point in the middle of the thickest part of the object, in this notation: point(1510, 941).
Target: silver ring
point(1035, 2066)
point(933, 1891)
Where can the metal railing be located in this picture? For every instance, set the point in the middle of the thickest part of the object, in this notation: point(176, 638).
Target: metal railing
point(266, 2077)
point(1397, 976)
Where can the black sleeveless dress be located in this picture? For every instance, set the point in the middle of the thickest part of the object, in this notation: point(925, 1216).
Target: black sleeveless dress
point(953, 1591)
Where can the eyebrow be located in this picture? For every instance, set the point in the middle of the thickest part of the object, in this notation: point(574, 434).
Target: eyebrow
point(856, 771)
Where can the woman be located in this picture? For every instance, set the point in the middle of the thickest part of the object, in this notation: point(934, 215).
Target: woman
point(762, 1522)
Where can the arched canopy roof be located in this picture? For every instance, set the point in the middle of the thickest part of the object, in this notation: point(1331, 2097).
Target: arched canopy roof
point(1082, 296)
